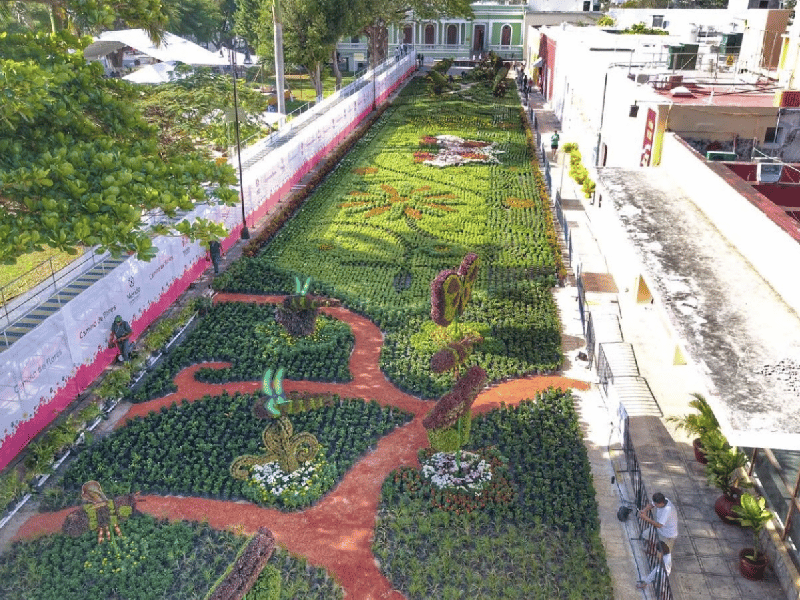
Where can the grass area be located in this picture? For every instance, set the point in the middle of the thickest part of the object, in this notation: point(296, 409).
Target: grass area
point(31, 270)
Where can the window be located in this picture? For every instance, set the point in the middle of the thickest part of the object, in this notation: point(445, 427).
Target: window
point(452, 35)
point(773, 135)
point(658, 20)
point(429, 34)
point(587, 6)
point(505, 36)
point(408, 34)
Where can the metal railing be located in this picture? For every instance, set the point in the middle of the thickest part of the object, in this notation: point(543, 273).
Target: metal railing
point(647, 532)
point(16, 304)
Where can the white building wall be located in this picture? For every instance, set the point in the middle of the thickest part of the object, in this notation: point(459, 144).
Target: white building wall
point(556, 5)
point(681, 21)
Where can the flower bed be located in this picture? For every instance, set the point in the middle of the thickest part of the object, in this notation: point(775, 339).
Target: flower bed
point(157, 560)
point(248, 336)
point(154, 560)
point(539, 541)
point(188, 448)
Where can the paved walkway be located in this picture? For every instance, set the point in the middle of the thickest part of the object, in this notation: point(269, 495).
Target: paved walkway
point(705, 560)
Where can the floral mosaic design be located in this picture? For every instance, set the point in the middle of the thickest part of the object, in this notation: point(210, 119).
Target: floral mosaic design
point(411, 204)
point(451, 151)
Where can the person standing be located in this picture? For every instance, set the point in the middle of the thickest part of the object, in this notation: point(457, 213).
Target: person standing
point(121, 333)
point(661, 514)
point(215, 253)
point(554, 143)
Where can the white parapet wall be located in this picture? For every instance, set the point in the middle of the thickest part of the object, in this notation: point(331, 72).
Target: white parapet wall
point(737, 211)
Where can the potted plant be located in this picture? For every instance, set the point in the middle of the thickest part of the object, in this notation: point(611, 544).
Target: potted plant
point(752, 513)
point(723, 470)
point(699, 424)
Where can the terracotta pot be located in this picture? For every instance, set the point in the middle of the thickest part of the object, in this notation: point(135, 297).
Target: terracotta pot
point(724, 507)
point(699, 455)
point(749, 568)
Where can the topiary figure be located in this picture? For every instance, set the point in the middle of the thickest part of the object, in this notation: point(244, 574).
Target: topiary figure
point(99, 513)
point(298, 312)
point(448, 422)
point(281, 445)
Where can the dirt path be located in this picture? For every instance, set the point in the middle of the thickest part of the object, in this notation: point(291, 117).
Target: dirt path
point(337, 532)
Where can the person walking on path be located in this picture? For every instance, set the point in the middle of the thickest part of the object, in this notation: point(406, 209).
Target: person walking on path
point(554, 143)
point(665, 519)
point(663, 566)
point(215, 253)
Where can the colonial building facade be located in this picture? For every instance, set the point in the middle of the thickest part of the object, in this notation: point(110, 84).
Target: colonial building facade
point(496, 27)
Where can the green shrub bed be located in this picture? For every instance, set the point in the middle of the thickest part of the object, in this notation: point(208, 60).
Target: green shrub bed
point(152, 561)
point(383, 224)
point(541, 542)
point(158, 560)
point(298, 579)
point(248, 336)
point(187, 449)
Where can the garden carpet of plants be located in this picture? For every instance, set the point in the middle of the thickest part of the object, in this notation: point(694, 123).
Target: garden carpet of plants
point(337, 532)
point(380, 228)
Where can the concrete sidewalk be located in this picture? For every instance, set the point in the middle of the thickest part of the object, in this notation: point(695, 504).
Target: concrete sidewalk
point(706, 555)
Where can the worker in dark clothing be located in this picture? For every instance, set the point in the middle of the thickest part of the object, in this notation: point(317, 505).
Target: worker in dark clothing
point(121, 333)
point(215, 252)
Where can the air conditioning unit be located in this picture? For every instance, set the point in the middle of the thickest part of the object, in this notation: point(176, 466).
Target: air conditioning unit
point(719, 155)
point(769, 172)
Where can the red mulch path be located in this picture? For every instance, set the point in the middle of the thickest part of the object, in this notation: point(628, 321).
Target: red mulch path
point(337, 532)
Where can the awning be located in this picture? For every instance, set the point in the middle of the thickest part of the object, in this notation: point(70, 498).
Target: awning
point(171, 49)
point(537, 63)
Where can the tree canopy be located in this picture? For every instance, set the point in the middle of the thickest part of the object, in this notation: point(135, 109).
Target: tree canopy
point(79, 165)
point(92, 16)
point(311, 30)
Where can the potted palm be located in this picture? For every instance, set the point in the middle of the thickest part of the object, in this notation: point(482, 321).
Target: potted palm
point(699, 424)
point(723, 470)
point(752, 513)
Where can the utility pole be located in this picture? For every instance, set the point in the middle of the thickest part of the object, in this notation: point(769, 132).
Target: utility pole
point(277, 19)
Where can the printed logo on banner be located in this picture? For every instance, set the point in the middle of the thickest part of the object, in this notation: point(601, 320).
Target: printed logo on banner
point(133, 291)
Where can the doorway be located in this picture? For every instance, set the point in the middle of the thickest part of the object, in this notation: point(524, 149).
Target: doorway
point(478, 38)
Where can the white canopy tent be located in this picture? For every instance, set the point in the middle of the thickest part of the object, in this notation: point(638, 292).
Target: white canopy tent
point(157, 73)
point(171, 49)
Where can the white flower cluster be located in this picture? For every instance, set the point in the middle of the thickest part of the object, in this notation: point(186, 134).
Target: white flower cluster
point(271, 477)
point(461, 470)
point(454, 151)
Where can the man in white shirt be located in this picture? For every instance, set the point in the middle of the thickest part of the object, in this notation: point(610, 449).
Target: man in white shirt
point(665, 519)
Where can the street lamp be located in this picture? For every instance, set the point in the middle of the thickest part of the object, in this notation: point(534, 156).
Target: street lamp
point(245, 231)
